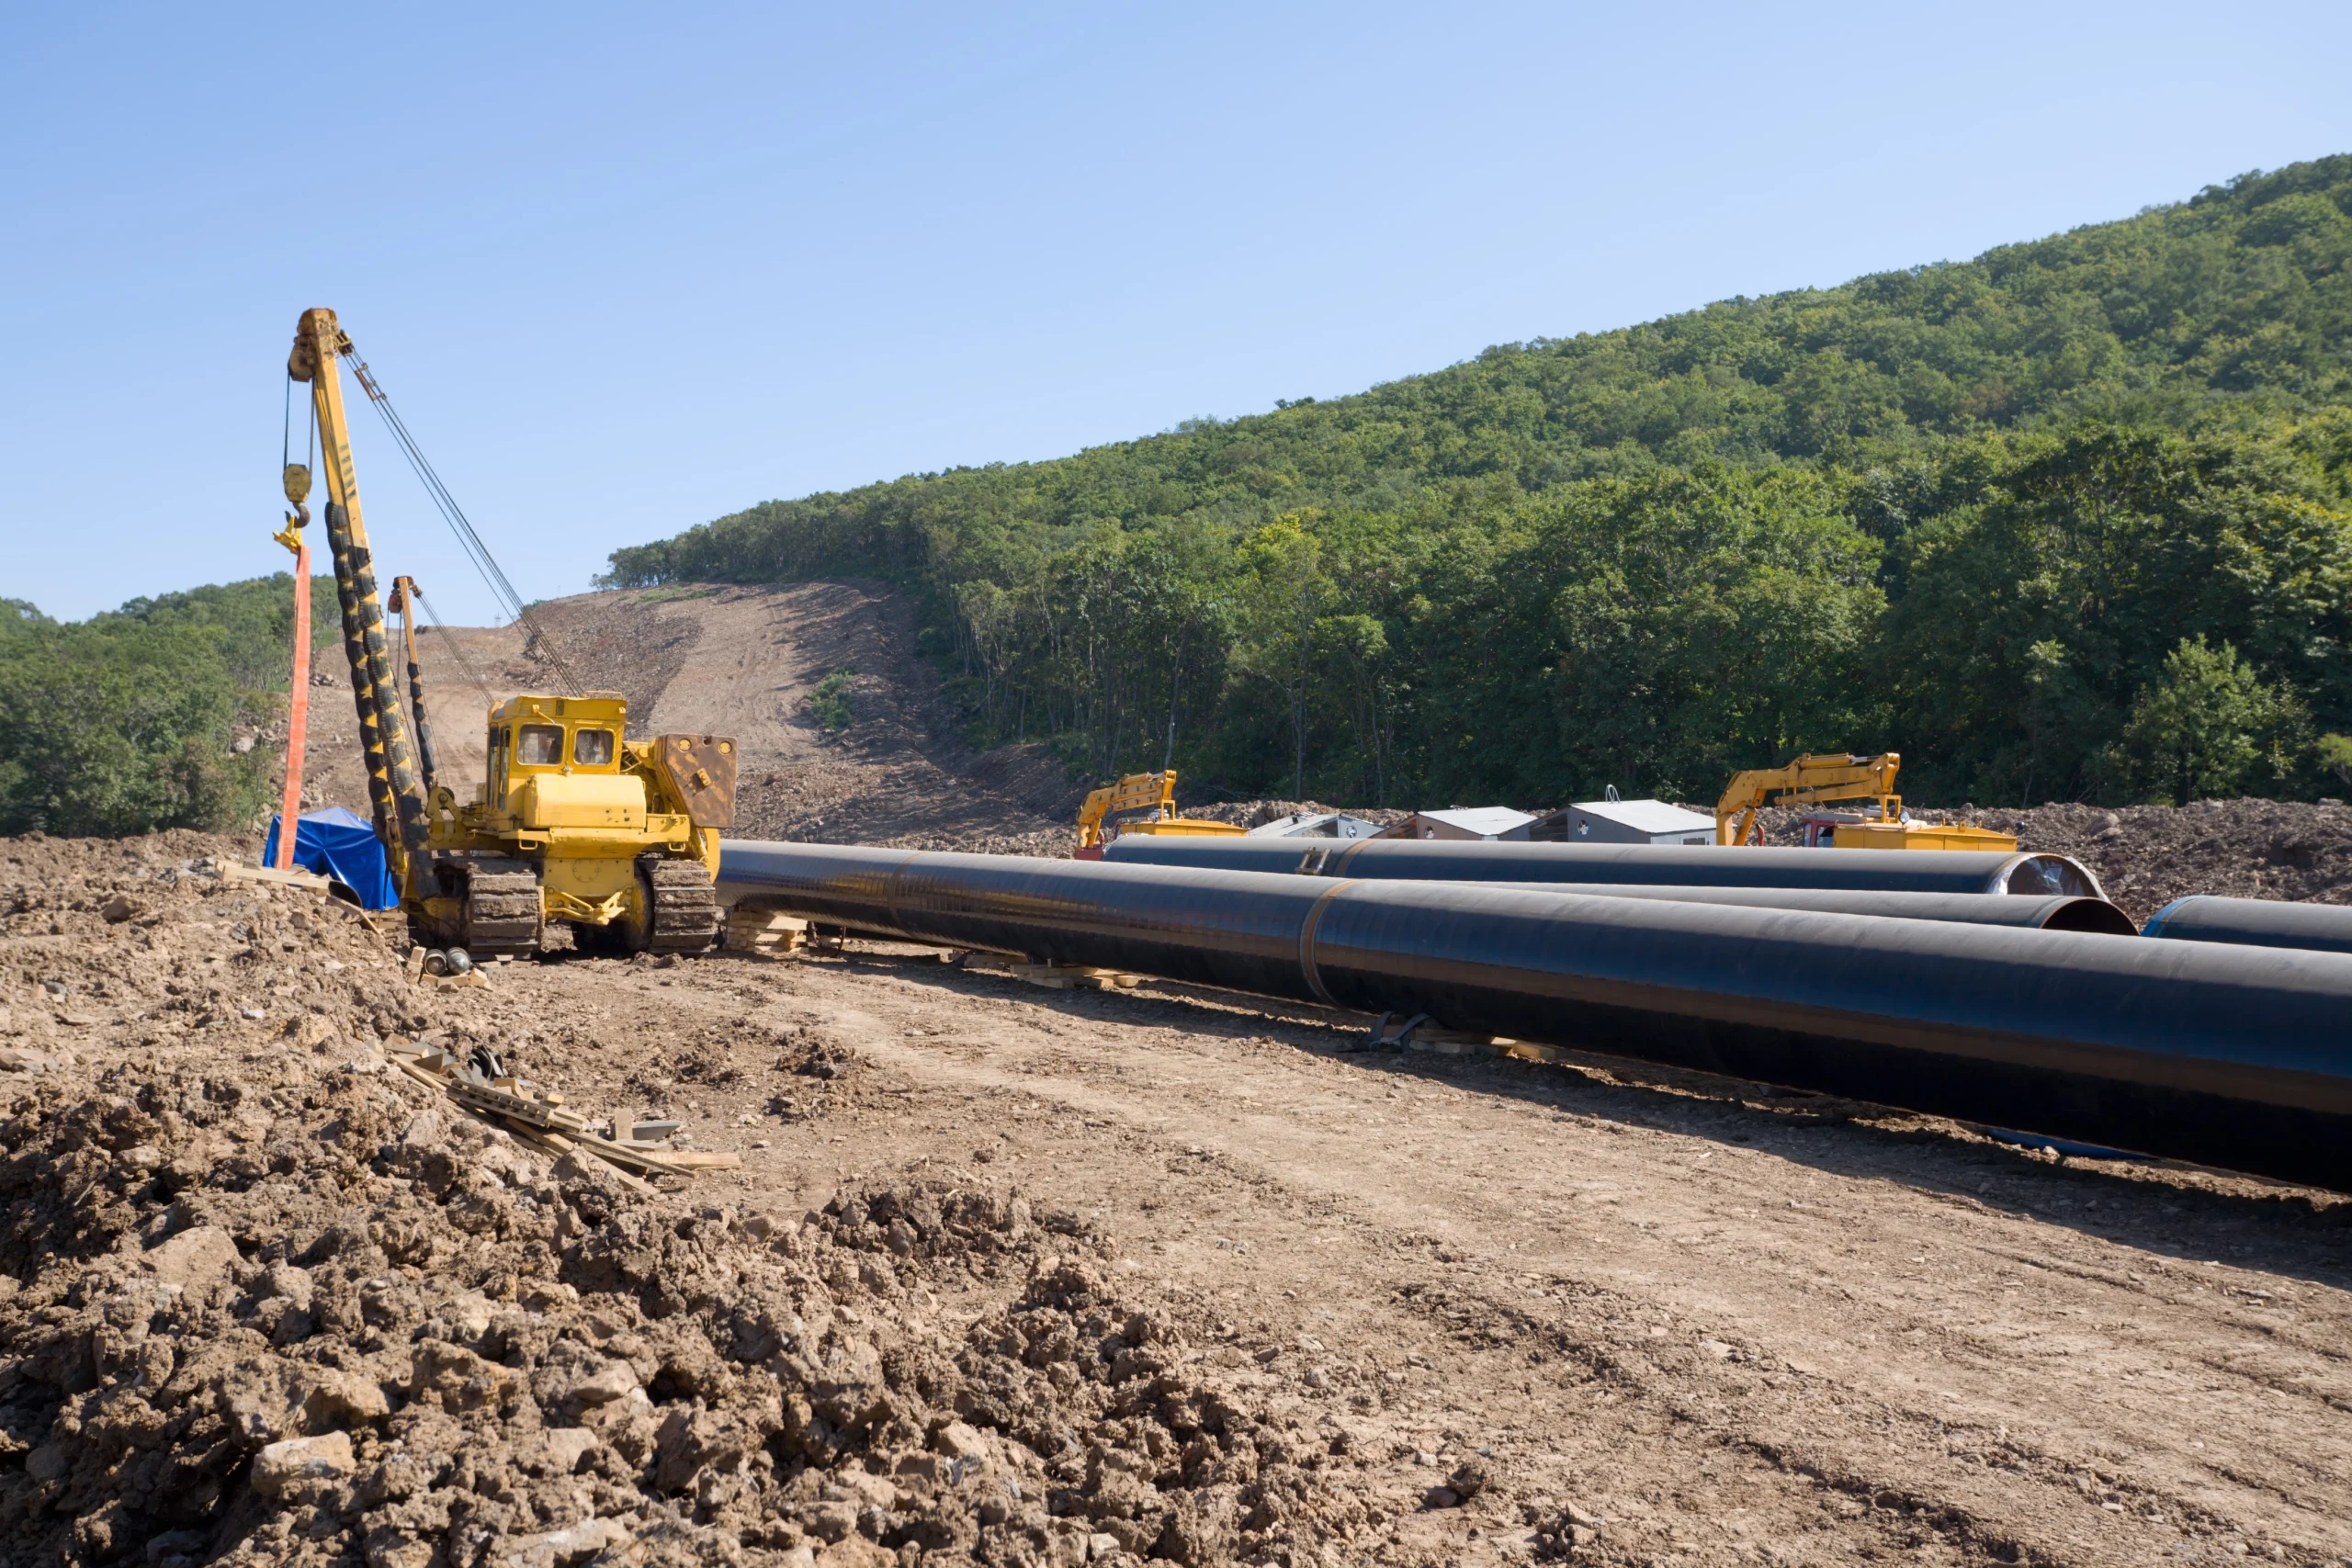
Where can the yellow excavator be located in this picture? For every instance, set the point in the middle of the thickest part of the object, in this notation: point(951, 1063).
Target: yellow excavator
point(1139, 803)
point(1838, 776)
point(574, 823)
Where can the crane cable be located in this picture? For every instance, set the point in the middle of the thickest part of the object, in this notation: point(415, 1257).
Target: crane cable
point(501, 588)
point(449, 641)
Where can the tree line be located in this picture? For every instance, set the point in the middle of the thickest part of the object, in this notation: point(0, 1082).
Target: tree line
point(2069, 521)
point(124, 723)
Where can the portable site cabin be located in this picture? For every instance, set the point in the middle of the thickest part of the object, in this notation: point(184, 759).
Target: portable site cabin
point(1469, 822)
point(1316, 825)
point(1616, 822)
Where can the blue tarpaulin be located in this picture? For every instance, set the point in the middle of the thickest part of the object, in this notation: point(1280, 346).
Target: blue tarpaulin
point(336, 844)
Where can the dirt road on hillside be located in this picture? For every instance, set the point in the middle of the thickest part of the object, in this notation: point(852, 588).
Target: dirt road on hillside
point(740, 662)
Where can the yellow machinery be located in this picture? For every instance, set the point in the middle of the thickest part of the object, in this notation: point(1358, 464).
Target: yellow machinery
point(1838, 775)
point(575, 824)
point(1141, 803)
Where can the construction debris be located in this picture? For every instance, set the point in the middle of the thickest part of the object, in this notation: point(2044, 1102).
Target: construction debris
point(1390, 1033)
point(764, 934)
point(480, 1084)
point(236, 871)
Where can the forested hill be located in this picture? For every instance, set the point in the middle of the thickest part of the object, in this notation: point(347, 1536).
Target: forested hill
point(2071, 519)
point(127, 721)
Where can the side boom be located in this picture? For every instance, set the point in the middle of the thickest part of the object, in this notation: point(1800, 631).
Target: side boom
point(392, 792)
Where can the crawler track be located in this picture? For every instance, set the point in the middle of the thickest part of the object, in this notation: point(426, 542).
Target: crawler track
point(685, 910)
point(502, 908)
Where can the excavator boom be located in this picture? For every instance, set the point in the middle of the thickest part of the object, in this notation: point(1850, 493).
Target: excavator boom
point(1139, 803)
point(1809, 779)
point(1838, 775)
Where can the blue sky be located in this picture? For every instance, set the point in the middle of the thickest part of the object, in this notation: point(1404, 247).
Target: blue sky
point(626, 268)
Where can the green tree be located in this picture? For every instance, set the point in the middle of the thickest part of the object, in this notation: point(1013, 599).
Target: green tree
point(2335, 755)
point(1282, 589)
point(114, 728)
point(2049, 590)
point(2202, 729)
point(122, 724)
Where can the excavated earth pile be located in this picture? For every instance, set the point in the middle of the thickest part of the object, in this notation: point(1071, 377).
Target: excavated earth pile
point(264, 1299)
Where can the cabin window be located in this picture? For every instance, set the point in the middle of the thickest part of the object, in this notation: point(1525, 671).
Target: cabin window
point(541, 746)
point(592, 748)
point(500, 739)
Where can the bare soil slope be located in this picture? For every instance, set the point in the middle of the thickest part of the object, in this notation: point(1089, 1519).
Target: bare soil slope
point(738, 661)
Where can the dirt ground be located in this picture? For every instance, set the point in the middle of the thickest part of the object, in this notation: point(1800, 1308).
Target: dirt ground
point(1011, 1275)
point(1637, 1317)
point(266, 1299)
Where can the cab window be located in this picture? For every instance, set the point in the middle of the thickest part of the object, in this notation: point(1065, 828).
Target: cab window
point(592, 748)
point(540, 746)
point(499, 740)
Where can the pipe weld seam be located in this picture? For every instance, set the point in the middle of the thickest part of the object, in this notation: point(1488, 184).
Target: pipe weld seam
point(890, 891)
point(1306, 941)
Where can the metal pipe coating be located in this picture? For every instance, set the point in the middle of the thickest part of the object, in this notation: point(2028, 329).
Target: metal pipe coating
point(1441, 860)
point(2228, 1056)
point(2257, 922)
point(2045, 911)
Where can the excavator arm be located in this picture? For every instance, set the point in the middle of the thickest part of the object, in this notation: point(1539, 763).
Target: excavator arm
point(392, 791)
point(1137, 796)
point(1835, 776)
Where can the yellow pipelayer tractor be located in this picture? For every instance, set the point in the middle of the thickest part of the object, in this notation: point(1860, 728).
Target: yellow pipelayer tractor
point(575, 824)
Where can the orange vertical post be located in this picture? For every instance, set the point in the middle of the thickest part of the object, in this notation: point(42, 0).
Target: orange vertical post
point(290, 811)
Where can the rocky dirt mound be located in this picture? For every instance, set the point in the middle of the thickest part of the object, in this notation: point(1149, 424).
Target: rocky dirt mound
point(1258, 813)
point(263, 1299)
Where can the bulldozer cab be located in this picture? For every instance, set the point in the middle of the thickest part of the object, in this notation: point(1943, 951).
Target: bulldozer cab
point(561, 736)
point(556, 762)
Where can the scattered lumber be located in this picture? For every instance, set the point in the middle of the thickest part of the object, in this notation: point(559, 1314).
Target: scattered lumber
point(704, 1159)
point(234, 871)
point(765, 933)
point(540, 1117)
point(1067, 978)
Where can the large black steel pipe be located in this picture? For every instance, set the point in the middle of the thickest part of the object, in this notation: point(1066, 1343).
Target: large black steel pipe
point(2257, 922)
point(2236, 1056)
point(1439, 860)
point(2044, 911)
